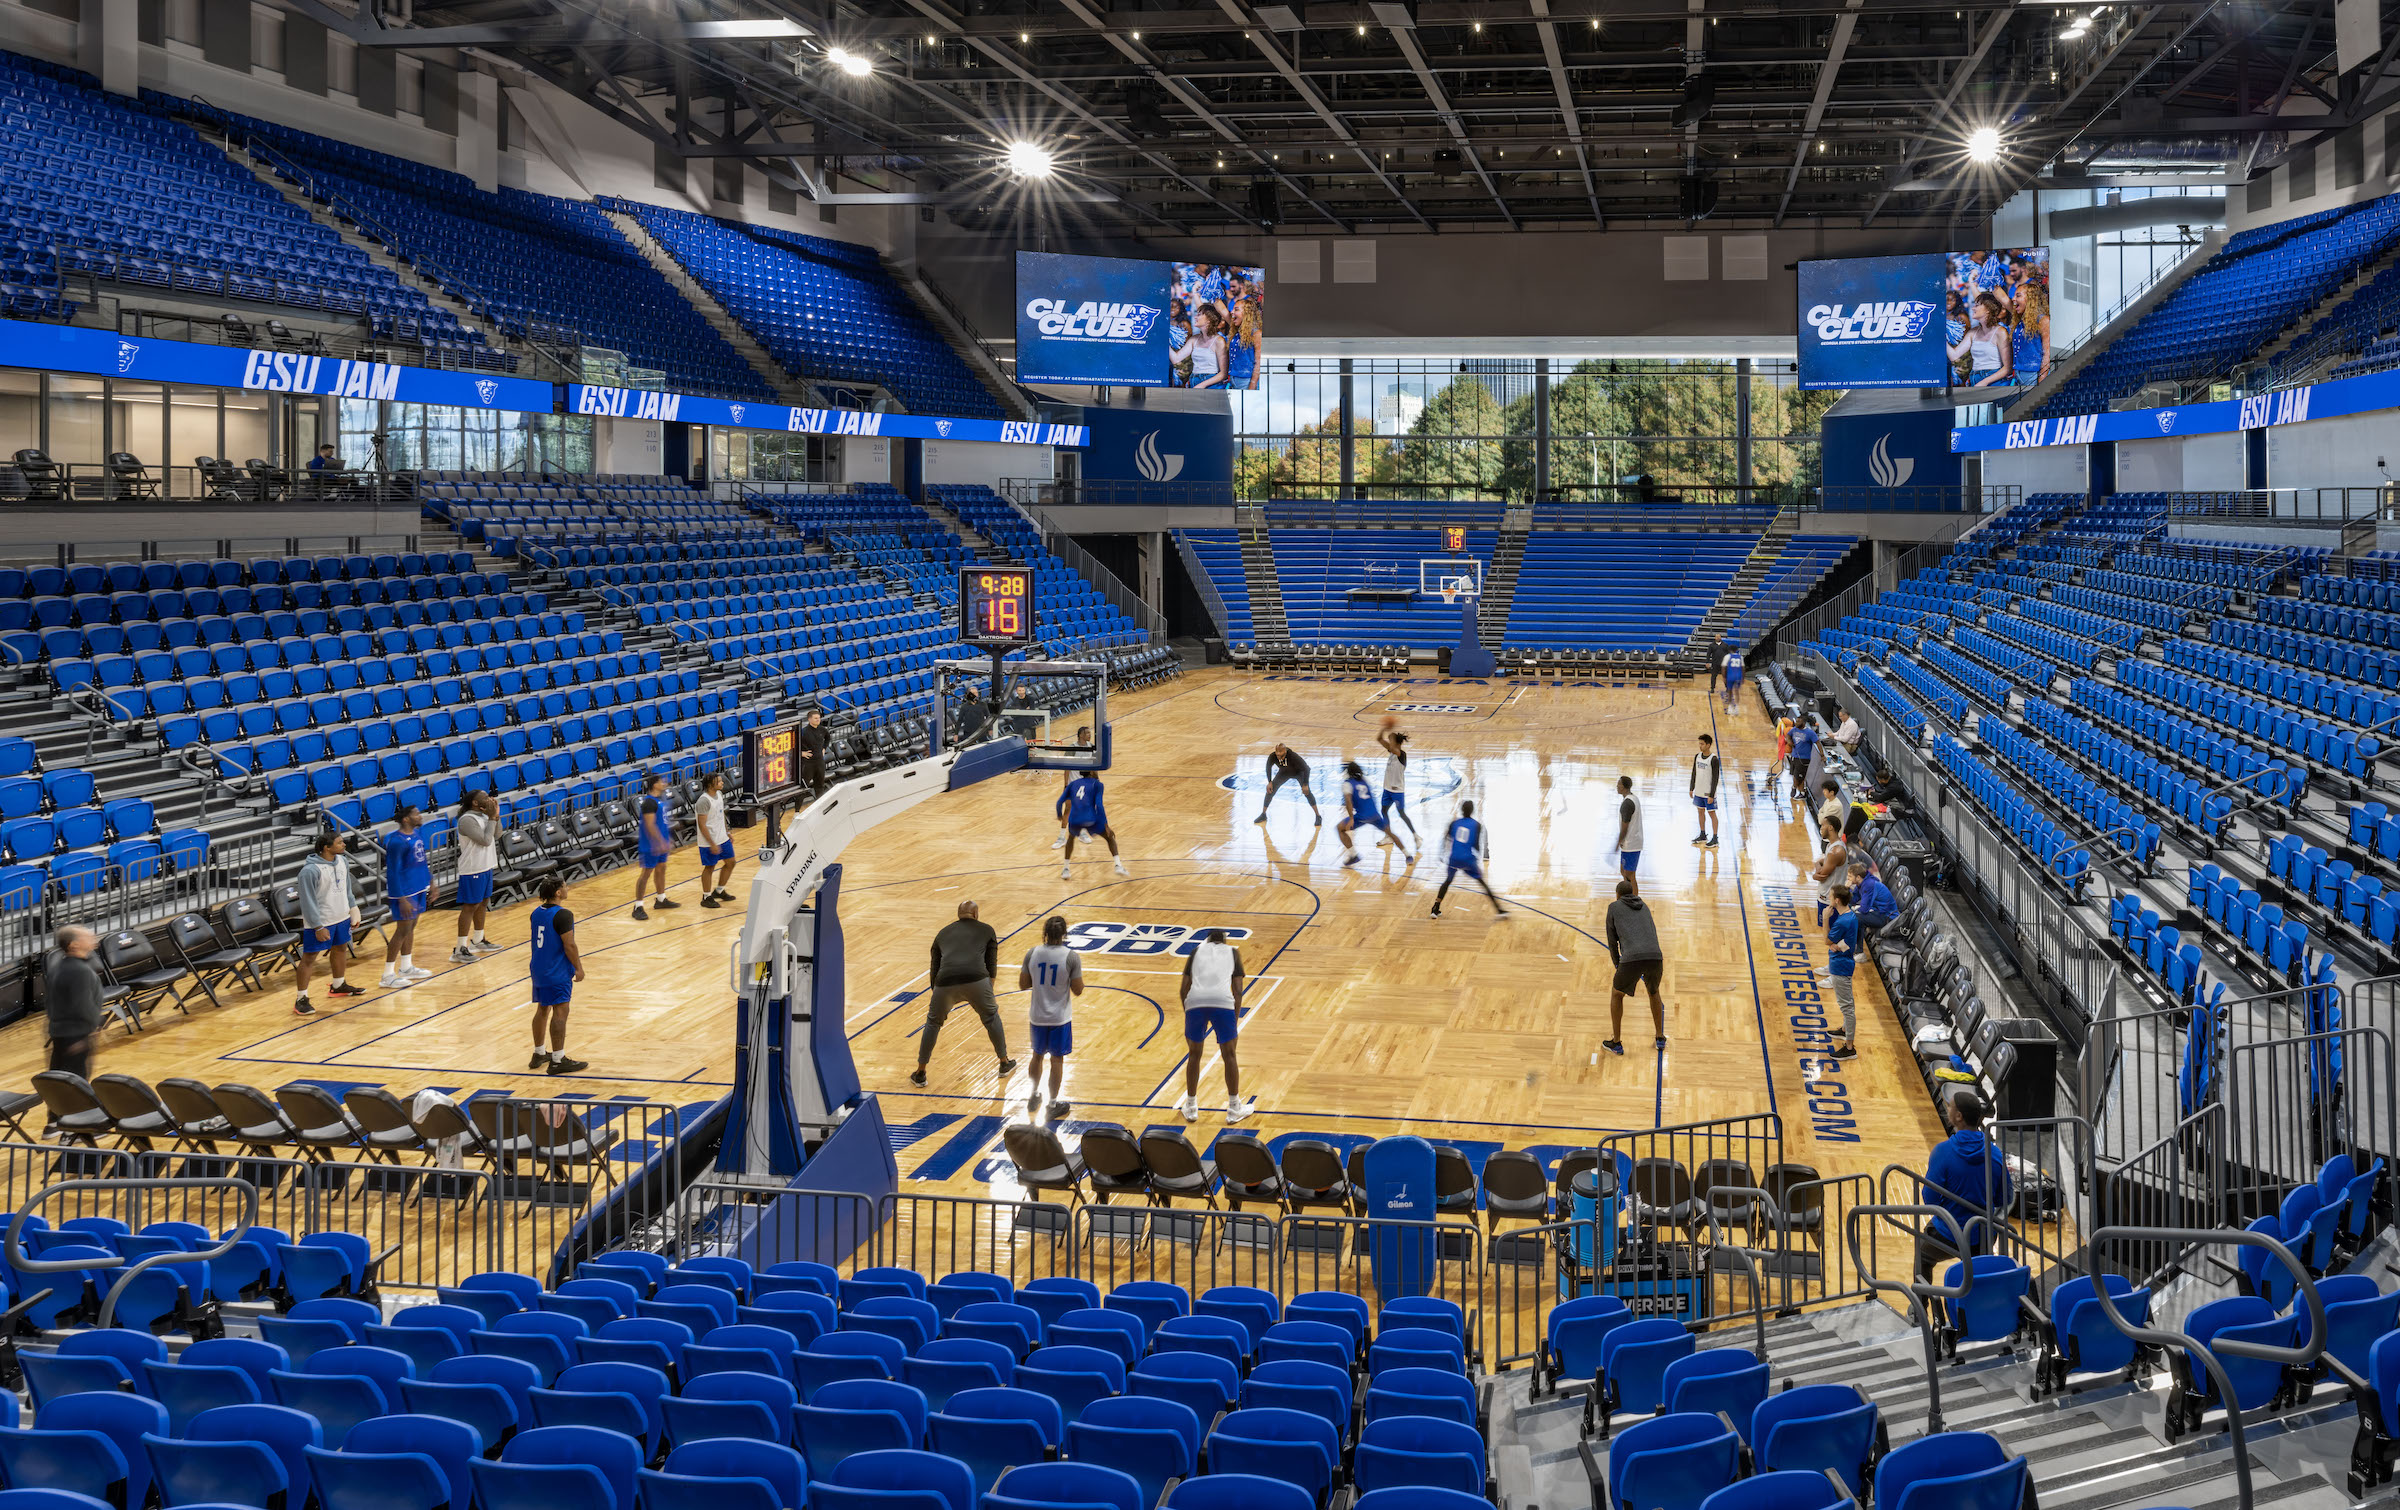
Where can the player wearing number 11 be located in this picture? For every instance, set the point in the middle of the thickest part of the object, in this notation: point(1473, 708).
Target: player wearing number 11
point(1053, 974)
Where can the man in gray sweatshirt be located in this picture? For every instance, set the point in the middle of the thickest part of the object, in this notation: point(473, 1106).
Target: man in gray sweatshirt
point(325, 919)
point(1633, 943)
point(71, 1000)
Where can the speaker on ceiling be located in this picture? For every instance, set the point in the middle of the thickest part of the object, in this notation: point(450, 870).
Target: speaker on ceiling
point(1699, 97)
point(1145, 109)
point(1697, 197)
point(1266, 202)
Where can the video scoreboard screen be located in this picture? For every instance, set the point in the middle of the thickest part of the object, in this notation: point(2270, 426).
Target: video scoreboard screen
point(995, 605)
point(771, 761)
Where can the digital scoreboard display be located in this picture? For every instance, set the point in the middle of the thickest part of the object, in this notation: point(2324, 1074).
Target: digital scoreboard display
point(995, 605)
point(771, 761)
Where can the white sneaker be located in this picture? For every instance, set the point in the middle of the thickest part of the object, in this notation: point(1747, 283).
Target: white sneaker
point(417, 973)
point(1189, 1106)
point(1066, 872)
point(1240, 1107)
point(1059, 843)
point(1121, 870)
point(463, 955)
point(390, 980)
point(485, 946)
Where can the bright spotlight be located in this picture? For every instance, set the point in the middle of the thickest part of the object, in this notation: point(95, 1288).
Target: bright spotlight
point(1983, 144)
point(1027, 160)
point(851, 63)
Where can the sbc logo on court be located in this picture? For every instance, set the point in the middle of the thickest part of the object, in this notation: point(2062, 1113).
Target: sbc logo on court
point(1145, 938)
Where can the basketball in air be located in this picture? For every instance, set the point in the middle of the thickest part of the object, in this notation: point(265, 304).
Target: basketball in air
point(1389, 722)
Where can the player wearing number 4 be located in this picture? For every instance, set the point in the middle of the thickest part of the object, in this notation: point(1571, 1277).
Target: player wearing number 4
point(1084, 806)
point(1053, 975)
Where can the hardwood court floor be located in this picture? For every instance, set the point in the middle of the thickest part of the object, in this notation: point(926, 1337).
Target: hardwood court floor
point(1367, 1016)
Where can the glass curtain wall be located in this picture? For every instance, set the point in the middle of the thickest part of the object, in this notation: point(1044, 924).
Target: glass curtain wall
point(440, 438)
point(1468, 428)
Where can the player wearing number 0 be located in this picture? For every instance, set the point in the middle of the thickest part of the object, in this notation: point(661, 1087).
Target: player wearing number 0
point(1363, 813)
point(1053, 976)
point(1084, 807)
point(1467, 854)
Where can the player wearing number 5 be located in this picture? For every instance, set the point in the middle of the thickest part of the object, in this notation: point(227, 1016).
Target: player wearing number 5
point(1053, 974)
point(1084, 807)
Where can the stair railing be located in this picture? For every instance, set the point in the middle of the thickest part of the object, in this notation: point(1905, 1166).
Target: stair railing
point(22, 1260)
point(2302, 1356)
point(1205, 584)
point(1916, 1292)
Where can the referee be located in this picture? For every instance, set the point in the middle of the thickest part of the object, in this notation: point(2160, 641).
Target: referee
point(1285, 765)
point(813, 740)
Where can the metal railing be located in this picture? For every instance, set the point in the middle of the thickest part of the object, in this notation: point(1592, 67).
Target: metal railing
point(124, 897)
point(225, 548)
point(1204, 583)
point(1916, 1294)
point(22, 1260)
point(1961, 498)
point(1059, 543)
point(2307, 508)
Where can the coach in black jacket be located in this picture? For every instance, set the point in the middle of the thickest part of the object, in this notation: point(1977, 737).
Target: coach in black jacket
point(1284, 764)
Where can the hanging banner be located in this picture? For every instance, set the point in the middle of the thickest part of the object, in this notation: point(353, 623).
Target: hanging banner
point(2284, 406)
point(104, 353)
point(691, 409)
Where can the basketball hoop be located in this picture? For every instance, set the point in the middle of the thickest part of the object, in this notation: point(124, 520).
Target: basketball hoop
point(1448, 595)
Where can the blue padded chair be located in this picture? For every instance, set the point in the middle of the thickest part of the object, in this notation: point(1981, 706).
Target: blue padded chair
point(2082, 1340)
point(905, 1319)
point(795, 1274)
point(612, 1396)
point(1774, 1491)
point(758, 1406)
point(450, 1445)
point(1015, 1327)
point(1423, 1392)
point(122, 1420)
point(1119, 1332)
point(1311, 1341)
point(2356, 1313)
point(2255, 1382)
point(1153, 1442)
point(1238, 1491)
point(1672, 1462)
point(1300, 1384)
point(946, 1365)
point(2309, 1225)
point(721, 1458)
point(1434, 1311)
point(518, 1337)
point(1571, 1341)
point(54, 1376)
point(543, 1486)
point(129, 1349)
point(1419, 1452)
point(845, 1355)
point(775, 1345)
point(645, 1340)
point(186, 1389)
point(1149, 1300)
point(1415, 1347)
point(1633, 1365)
point(1335, 1308)
point(340, 1401)
point(963, 1287)
point(49, 1499)
point(1209, 1385)
point(895, 1480)
point(661, 1490)
point(1073, 1376)
point(487, 1409)
point(993, 1430)
point(1255, 1309)
point(491, 1305)
point(252, 1357)
point(1221, 1335)
point(1291, 1445)
point(1724, 1379)
point(880, 1279)
point(1988, 1312)
point(805, 1314)
point(857, 1415)
point(79, 1462)
point(379, 1481)
point(1815, 1428)
point(615, 1457)
point(1053, 1297)
point(1957, 1470)
point(1062, 1484)
point(524, 1289)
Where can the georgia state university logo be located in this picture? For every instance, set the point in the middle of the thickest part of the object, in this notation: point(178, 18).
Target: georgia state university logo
point(125, 352)
point(1153, 466)
point(1883, 322)
point(1093, 319)
point(1886, 470)
point(1144, 938)
point(736, 411)
point(2166, 421)
point(487, 390)
point(942, 428)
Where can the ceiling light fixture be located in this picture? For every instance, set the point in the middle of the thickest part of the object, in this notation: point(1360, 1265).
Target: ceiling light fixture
point(1029, 160)
point(851, 63)
point(1983, 144)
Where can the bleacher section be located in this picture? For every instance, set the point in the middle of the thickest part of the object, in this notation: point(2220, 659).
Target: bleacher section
point(546, 269)
point(1319, 568)
point(826, 310)
point(2260, 281)
point(561, 519)
point(1805, 562)
point(1219, 553)
point(1601, 591)
point(120, 191)
point(1073, 616)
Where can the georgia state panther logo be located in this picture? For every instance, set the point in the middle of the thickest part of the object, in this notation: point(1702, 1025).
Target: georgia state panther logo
point(2166, 421)
point(736, 411)
point(1145, 938)
point(487, 390)
point(1887, 470)
point(942, 428)
point(1875, 321)
point(125, 351)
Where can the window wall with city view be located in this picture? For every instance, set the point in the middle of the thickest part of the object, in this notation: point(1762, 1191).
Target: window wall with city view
point(1450, 428)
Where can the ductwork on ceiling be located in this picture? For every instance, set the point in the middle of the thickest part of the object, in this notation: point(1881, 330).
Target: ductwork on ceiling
point(2132, 214)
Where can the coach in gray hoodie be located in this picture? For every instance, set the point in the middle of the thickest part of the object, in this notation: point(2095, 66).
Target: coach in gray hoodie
point(1633, 943)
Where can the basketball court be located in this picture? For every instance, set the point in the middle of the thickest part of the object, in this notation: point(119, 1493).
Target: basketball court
point(1367, 1016)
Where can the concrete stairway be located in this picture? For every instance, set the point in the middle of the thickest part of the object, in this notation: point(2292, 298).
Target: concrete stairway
point(961, 340)
point(1268, 623)
point(968, 535)
point(792, 390)
point(2290, 335)
point(1500, 585)
point(1737, 594)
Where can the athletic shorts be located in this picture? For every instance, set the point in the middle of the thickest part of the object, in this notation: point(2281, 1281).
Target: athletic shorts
point(1733, 675)
point(1222, 1023)
point(1094, 830)
point(1640, 972)
point(1798, 766)
point(409, 906)
point(1628, 859)
point(337, 936)
point(1705, 804)
point(1463, 868)
point(717, 854)
point(1359, 818)
point(474, 890)
point(1053, 1038)
point(652, 859)
point(1395, 800)
point(553, 993)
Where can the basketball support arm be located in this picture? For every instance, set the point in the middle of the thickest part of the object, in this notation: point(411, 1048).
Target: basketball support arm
point(792, 1063)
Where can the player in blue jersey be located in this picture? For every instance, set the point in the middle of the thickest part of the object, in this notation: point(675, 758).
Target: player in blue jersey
point(1364, 812)
point(1083, 806)
point(1467, 854)
point(556, 965)
point(658, 843)
point(407, 882)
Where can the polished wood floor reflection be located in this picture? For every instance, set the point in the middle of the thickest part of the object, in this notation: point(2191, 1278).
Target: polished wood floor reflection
point(1367, 1016)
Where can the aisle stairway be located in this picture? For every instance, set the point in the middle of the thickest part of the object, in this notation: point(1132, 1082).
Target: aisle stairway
point(1267, 617)
point(1500, 582)
point(1737, 594)
point(792, 390)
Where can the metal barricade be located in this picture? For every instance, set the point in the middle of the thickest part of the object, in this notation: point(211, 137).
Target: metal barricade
point(1197, 1249)
point(1328, 1252)
point(2293, 1103)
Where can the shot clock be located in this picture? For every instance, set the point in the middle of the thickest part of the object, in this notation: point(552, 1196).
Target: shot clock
point(771, 762)
point(995, 606)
